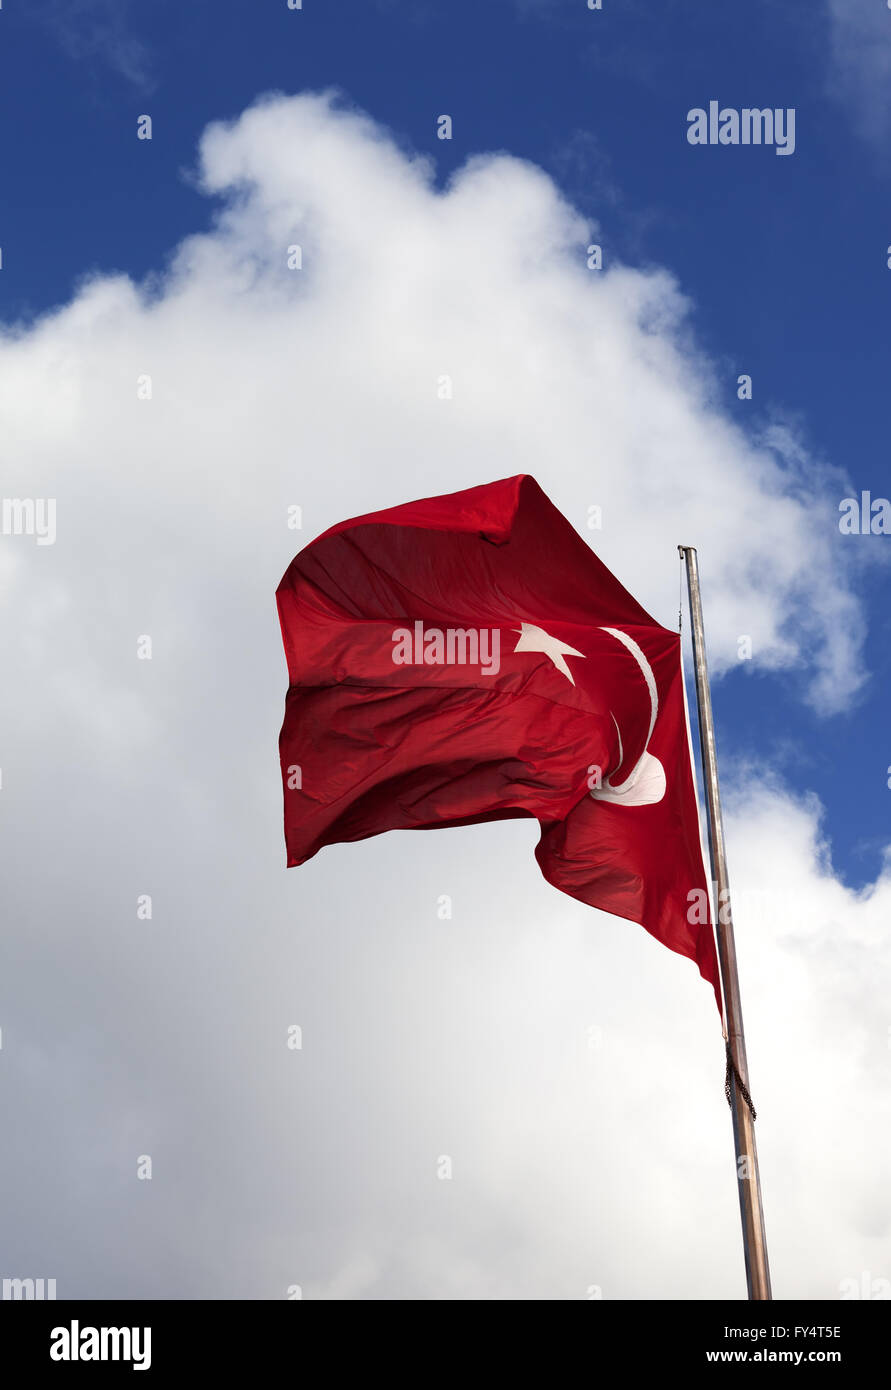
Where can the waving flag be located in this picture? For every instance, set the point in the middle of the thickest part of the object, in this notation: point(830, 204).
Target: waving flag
point(468, 658)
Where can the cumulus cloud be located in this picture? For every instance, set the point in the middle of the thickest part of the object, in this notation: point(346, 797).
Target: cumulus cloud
point(569, 1067)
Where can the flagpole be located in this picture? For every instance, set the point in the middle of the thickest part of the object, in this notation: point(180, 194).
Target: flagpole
point(748, 1179)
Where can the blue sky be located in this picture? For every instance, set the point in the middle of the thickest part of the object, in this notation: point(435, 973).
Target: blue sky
point(125, 1036)
point(782, 257)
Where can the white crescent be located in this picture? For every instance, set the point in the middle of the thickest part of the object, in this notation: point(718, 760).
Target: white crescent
point(645, 784)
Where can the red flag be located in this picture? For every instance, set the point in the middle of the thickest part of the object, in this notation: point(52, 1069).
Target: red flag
point(468, 658)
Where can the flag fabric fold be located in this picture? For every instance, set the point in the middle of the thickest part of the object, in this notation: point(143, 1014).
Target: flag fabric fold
point(469, 658)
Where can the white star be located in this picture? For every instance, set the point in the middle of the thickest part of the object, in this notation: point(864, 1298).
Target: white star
point(535, 639)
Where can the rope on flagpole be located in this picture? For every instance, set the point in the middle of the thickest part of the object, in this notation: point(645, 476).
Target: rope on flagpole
point(733, 1070)
point(680, 591)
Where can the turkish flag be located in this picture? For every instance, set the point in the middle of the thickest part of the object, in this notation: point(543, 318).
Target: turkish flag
point(468, 658)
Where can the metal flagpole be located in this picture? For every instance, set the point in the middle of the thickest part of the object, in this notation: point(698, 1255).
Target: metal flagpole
point(748, 1180)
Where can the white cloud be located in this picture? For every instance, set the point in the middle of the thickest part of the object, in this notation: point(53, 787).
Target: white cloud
point(860, 46)
point(90, 30)
point(574, 1165)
